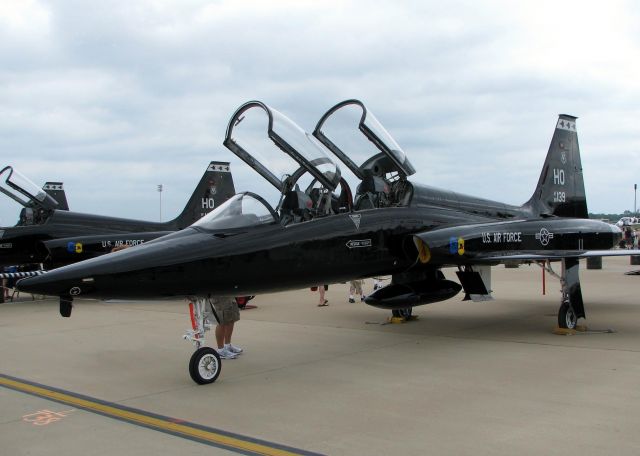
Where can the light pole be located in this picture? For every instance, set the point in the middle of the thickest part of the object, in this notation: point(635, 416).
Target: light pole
point(635, 192)
point(160, 193)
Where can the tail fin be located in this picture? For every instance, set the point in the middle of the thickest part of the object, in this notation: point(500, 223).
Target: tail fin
point(56, 191)
point(215, 187)
point(560, 191)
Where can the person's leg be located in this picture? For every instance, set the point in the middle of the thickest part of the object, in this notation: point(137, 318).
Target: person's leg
point(220, 333)
point(321, 291)
point(227, 342)
point(227, 333)
point(234, 315)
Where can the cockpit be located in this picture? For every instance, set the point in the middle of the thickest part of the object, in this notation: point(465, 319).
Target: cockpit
point(302, 166)
point(373, 156)
point(37, 204)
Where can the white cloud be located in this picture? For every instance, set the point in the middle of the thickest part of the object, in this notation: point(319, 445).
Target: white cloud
point(132, 94)
point(28, 18)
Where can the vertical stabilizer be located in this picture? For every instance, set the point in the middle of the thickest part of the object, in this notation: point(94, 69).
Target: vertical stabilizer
point(215, 187)
point(560, 191)
point(56, 191)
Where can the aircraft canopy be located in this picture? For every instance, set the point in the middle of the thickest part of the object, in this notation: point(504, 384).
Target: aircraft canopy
point(335, 130)
point(277, 148)
point(22, 190)
point(241, 210)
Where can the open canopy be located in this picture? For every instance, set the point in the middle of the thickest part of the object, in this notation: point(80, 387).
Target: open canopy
point(390, 159)
point(277, 148)
point(19, 188)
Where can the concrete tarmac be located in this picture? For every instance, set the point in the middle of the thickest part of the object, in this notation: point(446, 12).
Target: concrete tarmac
point(486, 378)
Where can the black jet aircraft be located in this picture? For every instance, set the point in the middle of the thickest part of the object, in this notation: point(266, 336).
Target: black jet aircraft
point(48, 233)
point(323, 231)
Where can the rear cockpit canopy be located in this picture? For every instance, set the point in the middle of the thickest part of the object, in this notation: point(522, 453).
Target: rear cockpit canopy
point(373, 156)
point(335, 130)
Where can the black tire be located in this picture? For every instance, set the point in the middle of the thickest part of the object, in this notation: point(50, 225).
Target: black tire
point(567, 318)
point(402, 313)
point(205, 365)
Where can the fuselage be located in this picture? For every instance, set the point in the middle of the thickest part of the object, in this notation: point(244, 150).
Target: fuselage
point(335, 248)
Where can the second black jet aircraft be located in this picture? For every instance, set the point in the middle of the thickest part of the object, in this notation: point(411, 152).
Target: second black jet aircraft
point(48, 233)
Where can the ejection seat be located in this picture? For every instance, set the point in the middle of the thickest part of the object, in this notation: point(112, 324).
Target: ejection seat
point(26, 216)
point(372, 192)
point(296, 207)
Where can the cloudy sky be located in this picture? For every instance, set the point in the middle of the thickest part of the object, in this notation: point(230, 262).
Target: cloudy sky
point(115, 97)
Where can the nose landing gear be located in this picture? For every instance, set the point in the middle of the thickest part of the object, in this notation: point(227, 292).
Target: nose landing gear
point(205, 364)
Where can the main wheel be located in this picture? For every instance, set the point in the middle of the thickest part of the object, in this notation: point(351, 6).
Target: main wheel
point(567, 317)
point(402, 313)
point(205, 365)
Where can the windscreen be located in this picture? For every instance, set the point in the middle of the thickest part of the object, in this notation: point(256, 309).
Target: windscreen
point(241, 210)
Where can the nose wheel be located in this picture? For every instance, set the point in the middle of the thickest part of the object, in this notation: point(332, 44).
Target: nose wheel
point(205, 365)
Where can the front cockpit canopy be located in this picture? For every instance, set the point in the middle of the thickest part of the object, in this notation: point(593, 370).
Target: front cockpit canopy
point(302, 153)
point(240, 211)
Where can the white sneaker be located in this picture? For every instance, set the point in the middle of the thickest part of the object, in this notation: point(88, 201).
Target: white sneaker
point(234, 349)
point(226, 354)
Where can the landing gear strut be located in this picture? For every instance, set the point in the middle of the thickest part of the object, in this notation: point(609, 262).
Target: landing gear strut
point(205, 364)
point(572, 306)
point(402, 313)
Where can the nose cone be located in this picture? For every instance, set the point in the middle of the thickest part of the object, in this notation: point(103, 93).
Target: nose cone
point(127, 273)
point(52, 283)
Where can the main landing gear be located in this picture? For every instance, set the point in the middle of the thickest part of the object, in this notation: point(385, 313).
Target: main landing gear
point(567, 318)
point(572, 306)
point(404, 313)
point(205, 364)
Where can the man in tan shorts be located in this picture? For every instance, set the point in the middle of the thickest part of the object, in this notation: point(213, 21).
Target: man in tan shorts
point(227, 313)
